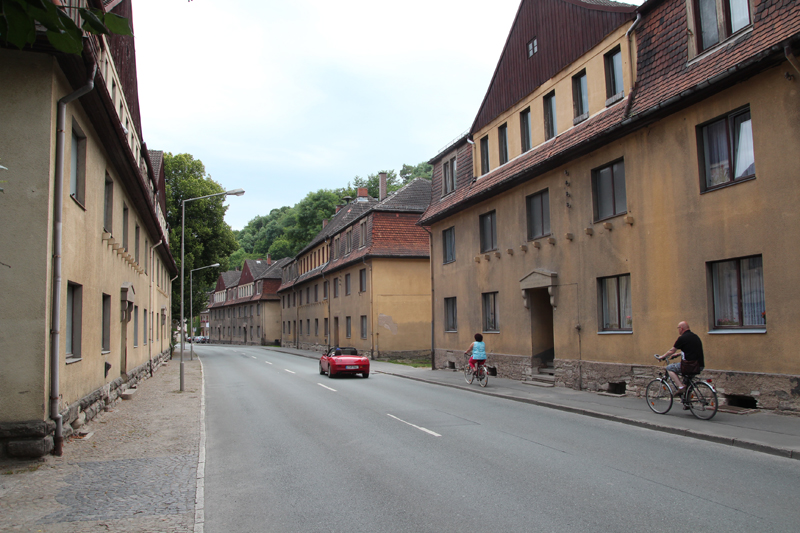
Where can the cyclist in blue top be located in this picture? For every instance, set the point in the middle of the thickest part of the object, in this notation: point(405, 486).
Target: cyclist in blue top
point(476, 351)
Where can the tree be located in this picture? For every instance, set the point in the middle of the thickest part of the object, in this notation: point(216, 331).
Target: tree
point(18, 20)
point(208, 239)
point(409, 172)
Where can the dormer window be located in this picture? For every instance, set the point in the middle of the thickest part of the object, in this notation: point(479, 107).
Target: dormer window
point(717, 20)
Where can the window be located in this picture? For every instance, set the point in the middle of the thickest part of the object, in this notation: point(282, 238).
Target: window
point(538, 208)
point(347, 284)
point(362, 280)
point(450, 316)
point(316, 326)
point(308, 326)
point(325, 325)
point(362, 234)
point(726, 148)
point(580, 97)
point(349, 324)
point(136, 243)
point(125, 227)
point(336, 247)
point(308, 295)
point(258, 309)
point(616, 300)
point(147, 256)
point(363, 326)
point(77, 167)
point(144, 328)
point(532, 47)
point(324, 290)
point(613, 62)
point(449, 176)
point(608, 186)
point(348, 241)
point(738, 287)
point(550, 126)
point(106, 339)
point(488, 231)
point(490, 311)
point(716, 21)
point(316, 292)
point(300, 331)
point(136, 326)
point(502, 143)
point(335, 287)
point(108, 204)
point(449, 245)
point(74, 320)
point(485, 155)
point(525, 129)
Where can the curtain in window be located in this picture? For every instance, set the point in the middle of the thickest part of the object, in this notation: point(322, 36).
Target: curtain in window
point(745, 157)
point(726, 294)
point(708, 22)
point(753, 307)
point(740, 15)
point(626, 314)
point(715, 147)
point(490, 312)
point(616, 61)
point(620, 198)
point(605, 194)
point(610, 307)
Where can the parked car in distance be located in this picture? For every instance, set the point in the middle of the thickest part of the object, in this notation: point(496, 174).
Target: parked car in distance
point(343, 360)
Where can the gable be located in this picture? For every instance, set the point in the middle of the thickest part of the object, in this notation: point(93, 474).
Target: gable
point(564, 31)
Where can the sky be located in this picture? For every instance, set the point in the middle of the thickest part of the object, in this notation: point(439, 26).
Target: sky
point(286, 98)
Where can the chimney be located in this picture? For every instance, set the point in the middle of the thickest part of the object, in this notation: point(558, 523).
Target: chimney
point(382, 193)
point(338, 207)
point(362, 192)
point(324, 222)
point(269, 260)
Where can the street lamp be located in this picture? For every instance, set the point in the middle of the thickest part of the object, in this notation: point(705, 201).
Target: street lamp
point(234, 192)
point(191, 305)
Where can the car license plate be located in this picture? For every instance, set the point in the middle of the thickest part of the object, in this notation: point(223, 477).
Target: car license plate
point(351, 367)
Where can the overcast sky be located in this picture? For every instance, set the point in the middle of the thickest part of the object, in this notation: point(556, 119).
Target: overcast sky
point(284, 98)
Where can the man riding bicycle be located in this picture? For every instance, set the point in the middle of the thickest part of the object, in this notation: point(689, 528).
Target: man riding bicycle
point(692, 361)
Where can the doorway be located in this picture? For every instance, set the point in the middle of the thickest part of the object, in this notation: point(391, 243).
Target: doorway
point(542, 338)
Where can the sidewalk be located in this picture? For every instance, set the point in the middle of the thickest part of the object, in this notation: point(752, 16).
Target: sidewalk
point(135, 469)
point(762, 431)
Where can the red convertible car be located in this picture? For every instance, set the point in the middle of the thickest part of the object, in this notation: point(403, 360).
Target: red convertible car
point(343, 361)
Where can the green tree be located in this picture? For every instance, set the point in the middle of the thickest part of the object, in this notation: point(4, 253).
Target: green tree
point(208, 239)
point(18, 20)
point(410, 172)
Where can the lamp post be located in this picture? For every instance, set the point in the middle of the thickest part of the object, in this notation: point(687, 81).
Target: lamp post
point(191, 305)
point(234, 192)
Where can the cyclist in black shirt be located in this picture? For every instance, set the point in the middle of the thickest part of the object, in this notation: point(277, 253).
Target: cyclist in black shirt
point(692, 361)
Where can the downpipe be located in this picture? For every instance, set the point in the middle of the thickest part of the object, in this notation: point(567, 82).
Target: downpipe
point(58, 208)
point(152, 260)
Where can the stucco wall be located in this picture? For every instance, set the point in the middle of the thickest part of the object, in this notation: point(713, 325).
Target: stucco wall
point(402, 309)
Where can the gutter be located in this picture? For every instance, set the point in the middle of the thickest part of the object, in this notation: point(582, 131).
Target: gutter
point(58, 211)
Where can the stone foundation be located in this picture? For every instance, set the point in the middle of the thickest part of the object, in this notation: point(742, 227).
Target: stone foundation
point(35, 438)
point(507, 366)
point(770, 391)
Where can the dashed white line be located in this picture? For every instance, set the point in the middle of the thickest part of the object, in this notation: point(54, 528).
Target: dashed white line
point(414, 426)
point(268, 362)
point(253, 356)
point(289, 371)
point(325, 386)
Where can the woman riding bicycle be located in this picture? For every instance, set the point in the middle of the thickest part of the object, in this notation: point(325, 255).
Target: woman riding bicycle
point(476, 351)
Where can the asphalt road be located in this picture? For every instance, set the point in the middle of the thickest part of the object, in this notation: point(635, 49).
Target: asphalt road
point(291, 450)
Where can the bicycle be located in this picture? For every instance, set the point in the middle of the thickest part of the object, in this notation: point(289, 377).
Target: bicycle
point(479, 372)
point(699, 396)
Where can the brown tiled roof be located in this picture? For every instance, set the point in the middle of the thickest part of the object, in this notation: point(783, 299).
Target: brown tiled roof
point(156, 160)
point(414, 197)
point(346, 216)
point(397, 235)
point(666, 82)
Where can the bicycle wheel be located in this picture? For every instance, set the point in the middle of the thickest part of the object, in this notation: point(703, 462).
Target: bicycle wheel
point(659, 396)
point(468, 375)
point(702, 400)
point(483, 376)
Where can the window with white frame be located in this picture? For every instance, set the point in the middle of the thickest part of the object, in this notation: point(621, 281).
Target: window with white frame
point(738, 293)
point(615, 297)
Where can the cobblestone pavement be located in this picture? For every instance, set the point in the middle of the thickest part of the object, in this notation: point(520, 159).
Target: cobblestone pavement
point(135, 471)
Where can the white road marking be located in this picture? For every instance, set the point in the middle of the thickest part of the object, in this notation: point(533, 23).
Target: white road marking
point(289, 371)
point(417, 427)
point(325, 386)
point(253, 356)
point(268, 362)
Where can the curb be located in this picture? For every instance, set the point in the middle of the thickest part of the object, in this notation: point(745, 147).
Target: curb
point(728, 441)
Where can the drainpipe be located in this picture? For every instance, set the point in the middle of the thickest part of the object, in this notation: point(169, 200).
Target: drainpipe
point(634, 86)
point(150, 303)
point(371, 304)
point(433, 299)
point(330, 320)
point(170, 315)
point(58, 208)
